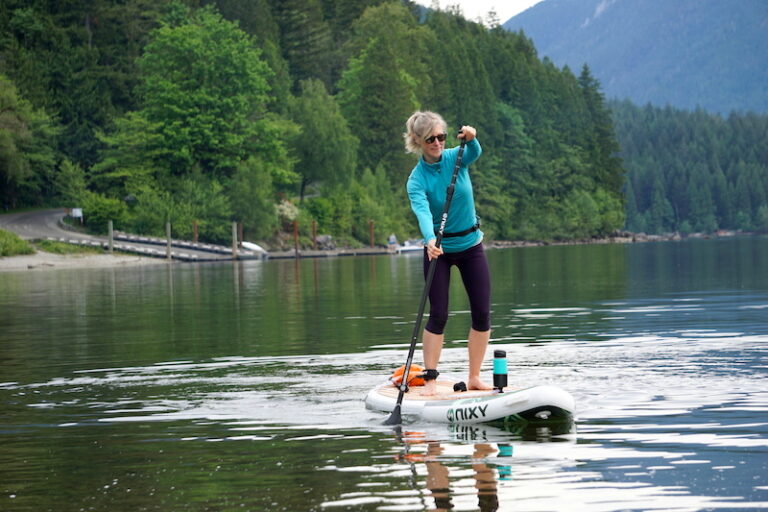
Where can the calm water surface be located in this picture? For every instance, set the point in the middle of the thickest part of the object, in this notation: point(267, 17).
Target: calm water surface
point(239, 386)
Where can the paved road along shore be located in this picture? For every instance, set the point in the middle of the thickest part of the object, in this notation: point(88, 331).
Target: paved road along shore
point(48, 224)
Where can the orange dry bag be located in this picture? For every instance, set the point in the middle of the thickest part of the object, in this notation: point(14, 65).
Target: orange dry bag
point(414, 375)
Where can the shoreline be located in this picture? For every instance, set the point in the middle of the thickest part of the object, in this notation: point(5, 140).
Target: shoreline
point(46, 261)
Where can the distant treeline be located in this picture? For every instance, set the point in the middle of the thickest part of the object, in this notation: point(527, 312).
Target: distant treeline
point(267, 111)
point(693, 171)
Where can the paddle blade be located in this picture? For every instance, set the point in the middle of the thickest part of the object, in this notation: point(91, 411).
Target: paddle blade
point(395, 418)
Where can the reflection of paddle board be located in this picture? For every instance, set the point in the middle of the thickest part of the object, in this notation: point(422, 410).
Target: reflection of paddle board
point(463, 433)
point(538, 404)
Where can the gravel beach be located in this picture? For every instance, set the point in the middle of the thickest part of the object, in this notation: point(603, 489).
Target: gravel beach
point(44, 261)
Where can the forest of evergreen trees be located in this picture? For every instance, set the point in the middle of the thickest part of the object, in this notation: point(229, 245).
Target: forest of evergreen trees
point(270, 111)
point(693, 171)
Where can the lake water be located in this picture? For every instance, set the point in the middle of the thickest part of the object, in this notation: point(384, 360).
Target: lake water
point(239, 386)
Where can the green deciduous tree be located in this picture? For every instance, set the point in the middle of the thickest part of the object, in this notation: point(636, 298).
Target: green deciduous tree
point(204, 96)
point(251, 192)
point(384, 83)
point(27, 155)
point(204, 85)
point(98, 210)
point(70, 183)
point(377, 95)
point(132, 157)
point(325, 148)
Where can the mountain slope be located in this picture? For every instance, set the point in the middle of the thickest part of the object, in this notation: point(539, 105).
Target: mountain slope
point(686, 53)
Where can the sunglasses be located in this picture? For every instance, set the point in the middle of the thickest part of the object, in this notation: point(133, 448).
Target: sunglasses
point(431, 138)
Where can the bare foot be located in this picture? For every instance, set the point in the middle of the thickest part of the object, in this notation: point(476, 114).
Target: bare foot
point(476, 383)
point(430, 388)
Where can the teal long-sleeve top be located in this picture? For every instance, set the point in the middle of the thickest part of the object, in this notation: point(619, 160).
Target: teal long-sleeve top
point(427, 186)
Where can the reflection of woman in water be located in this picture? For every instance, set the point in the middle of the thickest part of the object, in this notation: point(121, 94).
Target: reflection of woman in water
point(438, 479)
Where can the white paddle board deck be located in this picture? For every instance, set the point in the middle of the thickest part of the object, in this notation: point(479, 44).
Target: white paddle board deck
point(538, 404)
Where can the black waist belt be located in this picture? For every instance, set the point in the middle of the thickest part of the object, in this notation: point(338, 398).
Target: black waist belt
point(462, 233)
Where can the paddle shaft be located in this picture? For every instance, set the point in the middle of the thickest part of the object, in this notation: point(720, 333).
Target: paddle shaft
point(395, 417)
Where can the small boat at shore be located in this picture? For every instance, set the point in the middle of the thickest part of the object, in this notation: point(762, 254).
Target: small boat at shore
point(410, 246)
point(253, 247)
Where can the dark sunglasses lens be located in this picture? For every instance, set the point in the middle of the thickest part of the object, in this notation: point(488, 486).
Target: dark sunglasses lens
point(432, 138)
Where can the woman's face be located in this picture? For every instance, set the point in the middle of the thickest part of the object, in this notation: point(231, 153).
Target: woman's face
point(432, 146)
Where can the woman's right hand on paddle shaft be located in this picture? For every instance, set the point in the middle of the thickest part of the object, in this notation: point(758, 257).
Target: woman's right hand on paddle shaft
point(467, 133)
point(432, 250)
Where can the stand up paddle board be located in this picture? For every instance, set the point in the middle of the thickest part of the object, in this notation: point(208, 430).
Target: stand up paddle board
point(537, 404)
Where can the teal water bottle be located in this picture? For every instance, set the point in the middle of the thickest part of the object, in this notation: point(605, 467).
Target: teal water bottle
point(499, 370)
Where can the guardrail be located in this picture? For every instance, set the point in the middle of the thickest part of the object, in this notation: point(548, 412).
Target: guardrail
point(217, 253)
point(216, 249)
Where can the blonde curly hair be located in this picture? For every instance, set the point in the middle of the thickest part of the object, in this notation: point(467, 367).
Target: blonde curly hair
point(418, 126)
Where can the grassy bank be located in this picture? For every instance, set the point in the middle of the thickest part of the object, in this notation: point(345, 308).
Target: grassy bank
point(55, 247)
point(12, 245)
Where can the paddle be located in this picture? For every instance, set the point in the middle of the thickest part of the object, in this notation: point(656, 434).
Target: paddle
point(395, 418)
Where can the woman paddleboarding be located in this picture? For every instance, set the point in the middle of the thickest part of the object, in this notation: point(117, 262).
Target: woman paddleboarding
point(460, 244)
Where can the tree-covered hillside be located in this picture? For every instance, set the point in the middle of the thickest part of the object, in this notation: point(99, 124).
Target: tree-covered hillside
point(266, 111)
point(693, 171)
point(710, 54)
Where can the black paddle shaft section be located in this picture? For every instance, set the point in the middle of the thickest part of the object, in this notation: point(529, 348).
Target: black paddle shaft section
point(395, 417)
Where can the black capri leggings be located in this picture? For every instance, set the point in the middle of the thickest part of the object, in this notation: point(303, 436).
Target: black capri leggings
point(473, 267)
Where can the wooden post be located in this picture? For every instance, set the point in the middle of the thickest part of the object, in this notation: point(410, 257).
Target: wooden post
point(370, 230)
point(296, 237)
point(194, 231)
point(110, 236)
point(168, 240)
point(234, 240)
point(240, 234)
point(314, 234)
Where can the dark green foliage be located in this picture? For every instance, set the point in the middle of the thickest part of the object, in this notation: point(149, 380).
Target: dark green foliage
point(76, 60)
point(325, 148)
point(203, 85)
point(203, 115)
point(98, 210)
point(383, 83)
point(212, 111)
point(70, 183)
point(251, 192)
point(12, 245)
point(27, 140)
point(305, 38)
point(693, 171)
